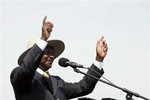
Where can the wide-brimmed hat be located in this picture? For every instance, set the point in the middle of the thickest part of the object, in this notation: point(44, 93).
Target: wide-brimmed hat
point(58, 48)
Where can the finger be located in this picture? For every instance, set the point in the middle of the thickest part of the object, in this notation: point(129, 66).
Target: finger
point(44, 20)
point(105, 45)
point(102, 38)
point(105, 49)
point(104, 42)
point(101, 41)
point(49, 30)
point(50, 24)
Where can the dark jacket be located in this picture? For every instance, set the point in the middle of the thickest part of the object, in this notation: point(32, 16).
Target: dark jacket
point(30, 85)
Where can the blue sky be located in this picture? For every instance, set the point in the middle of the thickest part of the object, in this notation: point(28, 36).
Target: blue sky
point(79, 23)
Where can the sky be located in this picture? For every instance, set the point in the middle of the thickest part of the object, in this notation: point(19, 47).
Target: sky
point(80, 23)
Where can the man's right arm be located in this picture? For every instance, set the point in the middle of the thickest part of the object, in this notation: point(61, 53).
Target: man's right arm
point(22, 76)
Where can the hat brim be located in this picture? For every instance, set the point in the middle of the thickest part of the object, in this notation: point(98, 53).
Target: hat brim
point(58, 48)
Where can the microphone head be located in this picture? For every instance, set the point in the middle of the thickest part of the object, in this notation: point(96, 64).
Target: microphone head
point(63, 62)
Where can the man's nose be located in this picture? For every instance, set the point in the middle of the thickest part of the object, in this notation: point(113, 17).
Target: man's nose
point(51, 57)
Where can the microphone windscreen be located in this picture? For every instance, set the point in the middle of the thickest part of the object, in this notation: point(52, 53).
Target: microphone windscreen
point(63, 62)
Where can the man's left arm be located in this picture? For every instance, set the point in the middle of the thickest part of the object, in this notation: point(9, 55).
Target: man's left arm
point(87, 84)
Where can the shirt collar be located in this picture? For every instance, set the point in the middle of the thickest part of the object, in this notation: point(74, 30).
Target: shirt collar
point(40, 71)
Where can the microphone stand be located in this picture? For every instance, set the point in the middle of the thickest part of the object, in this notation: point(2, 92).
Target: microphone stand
point(129, 93)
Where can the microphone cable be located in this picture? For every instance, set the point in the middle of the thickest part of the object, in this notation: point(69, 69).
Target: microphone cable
point(99, 74)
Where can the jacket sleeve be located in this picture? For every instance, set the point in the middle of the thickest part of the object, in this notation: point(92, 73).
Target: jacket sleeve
point(22, 76)
point(84, 86)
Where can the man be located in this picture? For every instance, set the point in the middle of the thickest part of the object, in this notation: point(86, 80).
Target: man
point(30, 82)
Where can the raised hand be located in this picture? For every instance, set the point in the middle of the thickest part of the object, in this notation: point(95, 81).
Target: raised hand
point(101, 49)
point(46, 29)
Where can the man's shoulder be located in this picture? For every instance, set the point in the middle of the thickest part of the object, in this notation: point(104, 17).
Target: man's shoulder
point(56, 77)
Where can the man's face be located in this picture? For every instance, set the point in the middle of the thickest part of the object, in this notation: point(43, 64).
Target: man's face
point(48, 58)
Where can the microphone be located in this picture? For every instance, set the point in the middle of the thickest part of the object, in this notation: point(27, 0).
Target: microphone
point(64, 62)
